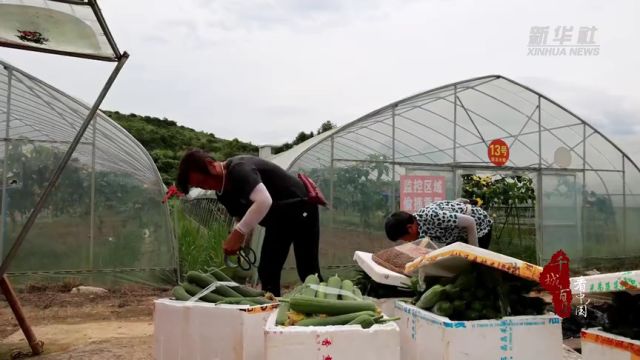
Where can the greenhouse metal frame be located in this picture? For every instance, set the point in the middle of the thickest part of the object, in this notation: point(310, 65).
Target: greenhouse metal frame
point(446, 132)
point(35, 114)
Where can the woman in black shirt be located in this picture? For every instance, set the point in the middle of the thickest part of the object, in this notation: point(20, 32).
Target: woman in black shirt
point(257, 191)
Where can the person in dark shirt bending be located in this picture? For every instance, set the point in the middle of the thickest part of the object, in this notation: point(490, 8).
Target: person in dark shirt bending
point(257, 191)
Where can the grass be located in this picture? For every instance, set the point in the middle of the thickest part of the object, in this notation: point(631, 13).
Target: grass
point(199, 241)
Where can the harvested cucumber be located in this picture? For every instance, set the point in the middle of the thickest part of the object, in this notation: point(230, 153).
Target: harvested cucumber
point(321, 293)
point(333, 285)
point(309, 284)
point(282, 316)
point(180, 294)
point(334, 320)
point(309, 305)
point(347, 290)
point(194, 290)
point(430, 297)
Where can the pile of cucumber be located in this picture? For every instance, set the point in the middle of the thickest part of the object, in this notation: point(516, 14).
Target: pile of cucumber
point(222, 294)
point(336, 302)
point(480, 292)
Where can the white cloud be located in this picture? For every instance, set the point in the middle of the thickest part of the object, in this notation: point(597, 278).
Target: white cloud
point(264, 70)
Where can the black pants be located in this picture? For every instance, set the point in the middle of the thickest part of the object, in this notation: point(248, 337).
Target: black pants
point(298, 224)
point(485, 240)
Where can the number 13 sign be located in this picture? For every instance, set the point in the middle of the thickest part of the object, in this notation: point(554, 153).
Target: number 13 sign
point(498, 152)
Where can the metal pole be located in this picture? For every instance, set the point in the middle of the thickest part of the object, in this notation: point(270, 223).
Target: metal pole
point(63, 163)
point(14, 303)
point(4, 166)
point(331, 180)
point(624, 206)
point(92, 221)
point(539, 196)
point(393, 159)
point(455, 139)
point(584, 187)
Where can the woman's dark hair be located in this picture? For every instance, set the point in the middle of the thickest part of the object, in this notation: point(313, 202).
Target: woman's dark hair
point(396, 225)
point(193, 161)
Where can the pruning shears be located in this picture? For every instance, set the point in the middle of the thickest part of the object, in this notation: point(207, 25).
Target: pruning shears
point(245, 259)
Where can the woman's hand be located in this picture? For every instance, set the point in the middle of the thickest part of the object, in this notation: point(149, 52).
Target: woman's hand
point(233, 243)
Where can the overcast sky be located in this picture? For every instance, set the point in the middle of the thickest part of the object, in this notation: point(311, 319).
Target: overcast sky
point(262, 71)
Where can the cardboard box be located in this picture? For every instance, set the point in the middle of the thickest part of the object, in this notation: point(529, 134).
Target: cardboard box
point(427, 336)
point(348, 342)
point(600, 345)
point(198, 330)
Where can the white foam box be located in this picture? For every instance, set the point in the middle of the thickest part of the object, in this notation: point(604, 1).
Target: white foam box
point(388, 305)
point(347, 342)
point(610, 282)
point(424, 335)
point(198, 330)
point(600, 345)
point(378, 273)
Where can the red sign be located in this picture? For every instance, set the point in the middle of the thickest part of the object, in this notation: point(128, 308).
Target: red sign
point(498, 152)
point(555, 279)
point(418, 191)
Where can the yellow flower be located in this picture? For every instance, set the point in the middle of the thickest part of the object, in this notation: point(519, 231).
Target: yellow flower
point(479, 201)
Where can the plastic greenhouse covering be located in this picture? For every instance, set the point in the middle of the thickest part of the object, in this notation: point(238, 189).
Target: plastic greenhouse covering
point(65, 27)
point(587, 191)
point(104, 220)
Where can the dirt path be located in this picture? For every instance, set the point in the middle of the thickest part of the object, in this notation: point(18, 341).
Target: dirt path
point(117, 325)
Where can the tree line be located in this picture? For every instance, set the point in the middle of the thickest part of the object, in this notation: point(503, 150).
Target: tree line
point(166, 141)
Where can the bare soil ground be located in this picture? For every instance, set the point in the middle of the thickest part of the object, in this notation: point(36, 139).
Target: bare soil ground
point(117, 325)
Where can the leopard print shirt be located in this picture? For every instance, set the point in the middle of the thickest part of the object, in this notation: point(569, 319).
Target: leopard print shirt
point(439, 221)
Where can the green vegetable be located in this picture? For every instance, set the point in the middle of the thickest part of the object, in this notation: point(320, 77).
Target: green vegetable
point(471, 315)
point(443, 308)
point(180, 294)
point(194, 290)
point(248, 291)
point(476, 306)
point(312, 305)
point(255, 300)
point(238, 301)
point(357, 293)
point(459, 305)
point(335, 320)
point(489, 313)
point(453, 292)
point(310, 283)
point(430, 297)
point(347, 290)
point(366, 321)
point(465, 281)
point(481, 293)
point(204, 280)
point(282, 316)
point(334, 284)
point(220, 276)
point(321, 293)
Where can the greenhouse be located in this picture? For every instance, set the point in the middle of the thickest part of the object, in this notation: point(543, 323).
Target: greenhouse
point(104, 219)
point(551, 181)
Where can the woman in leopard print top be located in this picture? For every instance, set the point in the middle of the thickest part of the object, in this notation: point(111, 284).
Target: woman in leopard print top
point(444, 222)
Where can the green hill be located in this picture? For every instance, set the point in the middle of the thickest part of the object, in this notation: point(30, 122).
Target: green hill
point(166, 141)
